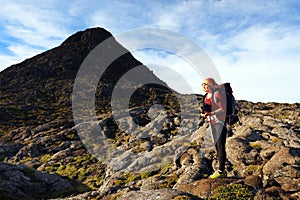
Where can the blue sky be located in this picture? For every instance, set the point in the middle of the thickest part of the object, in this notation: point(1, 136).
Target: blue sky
point(255, 45)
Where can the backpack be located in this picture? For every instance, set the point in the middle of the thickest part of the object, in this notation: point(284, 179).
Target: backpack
point(231, 111)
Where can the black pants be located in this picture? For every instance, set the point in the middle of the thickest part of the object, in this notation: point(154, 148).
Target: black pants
point(219, 131)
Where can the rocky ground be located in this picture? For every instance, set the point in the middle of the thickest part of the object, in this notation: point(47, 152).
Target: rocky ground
point(43, 155)
point(263, 162)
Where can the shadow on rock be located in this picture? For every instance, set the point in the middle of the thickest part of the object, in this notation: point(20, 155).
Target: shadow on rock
point(21, 182)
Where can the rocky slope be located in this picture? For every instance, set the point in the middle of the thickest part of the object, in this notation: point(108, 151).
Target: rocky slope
point(43, 156)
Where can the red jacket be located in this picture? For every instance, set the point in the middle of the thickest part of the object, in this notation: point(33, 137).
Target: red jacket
point(217, 101)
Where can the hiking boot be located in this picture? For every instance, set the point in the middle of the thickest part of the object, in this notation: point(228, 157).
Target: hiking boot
point(218, 174)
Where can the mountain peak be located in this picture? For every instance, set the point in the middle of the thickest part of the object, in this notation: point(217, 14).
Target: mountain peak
point(89, 36)
point(48, 77)
point(60, 62)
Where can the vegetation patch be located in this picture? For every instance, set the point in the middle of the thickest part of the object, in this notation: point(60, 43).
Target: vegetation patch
point(131, 177)
point(45, 158)
point(231, 192)
point(72, 190)
point(170, 181)
point(251, 169)
point(145, 175)
point(182, 198)
point(276, 140)
point(255, 145)
point(83, 168)
point(166, 168)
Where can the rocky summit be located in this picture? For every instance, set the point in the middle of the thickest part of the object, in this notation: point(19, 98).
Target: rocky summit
point(63, 137)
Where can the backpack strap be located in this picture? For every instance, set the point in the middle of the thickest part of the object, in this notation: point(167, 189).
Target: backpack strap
point(214, 97)
point(204, 96)
point(215, 100)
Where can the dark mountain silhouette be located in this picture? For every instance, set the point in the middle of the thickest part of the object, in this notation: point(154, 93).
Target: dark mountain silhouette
point(44, 82)
point(38, 89)
point(42, 155)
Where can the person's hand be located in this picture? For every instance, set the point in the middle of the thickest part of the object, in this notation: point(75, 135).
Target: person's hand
point(206, 114)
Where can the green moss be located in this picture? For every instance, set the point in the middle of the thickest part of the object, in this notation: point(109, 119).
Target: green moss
point(193, 144)
point(45, 158)
point(94, 182)
point(145, 175)
point(69, 191)
point(52, 168)
point(166, 168)
point(276, 140)
point(251, 169)
point(282, 115)
point(130, 177)
point(119, 182)
point(182, 198)
point(78, 168)
point(252, 126)
point(255, 145)
point(232, 192)
point(170, 182)
point(82, 173)
point(83, 168)
point(134, 178)
point(83, 159)
point(72, 135)
point(23, 160)
point(69, 170)
point(3, 130)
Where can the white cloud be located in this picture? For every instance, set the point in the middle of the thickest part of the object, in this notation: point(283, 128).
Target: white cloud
point(118, 16)
point(34, 24)
point(175, 71)
point(7, 61)
point(20, 53)
point(30, 28)
point(262, 63)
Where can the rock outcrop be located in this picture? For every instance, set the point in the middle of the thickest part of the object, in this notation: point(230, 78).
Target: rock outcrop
point(21, 182)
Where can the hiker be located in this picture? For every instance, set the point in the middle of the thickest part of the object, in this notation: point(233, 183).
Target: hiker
point(214, 110)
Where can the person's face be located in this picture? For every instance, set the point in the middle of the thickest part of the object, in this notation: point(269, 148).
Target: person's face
point(206, 88)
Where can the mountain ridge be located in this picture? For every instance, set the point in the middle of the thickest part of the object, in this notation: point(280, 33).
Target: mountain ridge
point(37, 75)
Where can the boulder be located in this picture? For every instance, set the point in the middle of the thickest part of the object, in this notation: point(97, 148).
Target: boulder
point(203, 188)
point(21, 182)
point(161, 194)
point(283, 169)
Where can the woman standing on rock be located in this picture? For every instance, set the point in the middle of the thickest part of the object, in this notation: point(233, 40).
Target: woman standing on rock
point(214, 110)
